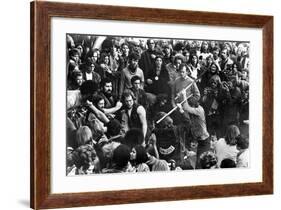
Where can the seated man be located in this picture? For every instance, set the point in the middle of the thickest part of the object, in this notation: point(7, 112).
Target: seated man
point(139, 93)
point(79, 105)
point(106, 93)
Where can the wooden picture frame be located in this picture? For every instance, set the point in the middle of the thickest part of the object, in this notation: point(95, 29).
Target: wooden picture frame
point(41, 14)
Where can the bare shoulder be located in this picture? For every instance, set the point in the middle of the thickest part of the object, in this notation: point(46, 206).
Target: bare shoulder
point(140, 109)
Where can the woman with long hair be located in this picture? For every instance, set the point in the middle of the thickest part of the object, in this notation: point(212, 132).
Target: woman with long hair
point(139, 158)
point(226, 147)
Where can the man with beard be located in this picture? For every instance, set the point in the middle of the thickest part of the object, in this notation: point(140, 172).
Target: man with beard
point(128, 72)
point(148, 57)
point(106, 93)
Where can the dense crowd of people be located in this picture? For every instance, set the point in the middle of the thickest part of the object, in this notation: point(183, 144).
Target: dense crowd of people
point(142, 104)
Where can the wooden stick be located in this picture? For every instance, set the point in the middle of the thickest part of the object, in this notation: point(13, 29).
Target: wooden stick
point(185, 89)
point(172, 110)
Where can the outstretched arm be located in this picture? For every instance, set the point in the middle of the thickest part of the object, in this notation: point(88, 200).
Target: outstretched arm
point(113, 109)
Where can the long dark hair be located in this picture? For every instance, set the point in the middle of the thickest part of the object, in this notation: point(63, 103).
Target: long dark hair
point(141, 156)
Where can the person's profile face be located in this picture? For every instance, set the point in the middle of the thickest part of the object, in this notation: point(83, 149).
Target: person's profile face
point(137, 84)
point(80, 49)
point(142, 43)
point(167, 51)
point(107, 151)
point(133, 154)
point(204, 45)
point(194, 59)
point(129, 102)
point(101, 104)
point(224, 54)
point(75, 57)
point(108, 87)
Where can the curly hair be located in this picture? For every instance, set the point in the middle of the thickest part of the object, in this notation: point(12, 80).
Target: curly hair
point(208, 159)
point(83, 156)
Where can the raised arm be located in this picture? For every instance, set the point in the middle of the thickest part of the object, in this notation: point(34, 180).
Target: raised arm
point(195, 91)
point(173, 95)
point(97, 112)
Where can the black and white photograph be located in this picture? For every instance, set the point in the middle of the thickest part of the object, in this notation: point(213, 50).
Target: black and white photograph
point(147, 104)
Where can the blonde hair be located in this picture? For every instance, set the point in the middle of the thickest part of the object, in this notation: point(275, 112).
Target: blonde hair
point(83, 135)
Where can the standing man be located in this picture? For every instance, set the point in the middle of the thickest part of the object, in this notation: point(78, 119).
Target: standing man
point(148, 57)
point(198, 127)
point(226, 62)
point(133, 115)
point(127, 73)
point(173, 68)
point(89, 72)
point(181, 83)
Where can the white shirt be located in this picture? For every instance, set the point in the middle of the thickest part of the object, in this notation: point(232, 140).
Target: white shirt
point(223, 151)
point(89, 76)
point(243, 159)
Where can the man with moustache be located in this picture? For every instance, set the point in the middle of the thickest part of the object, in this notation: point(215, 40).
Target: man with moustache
point(106, 93)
